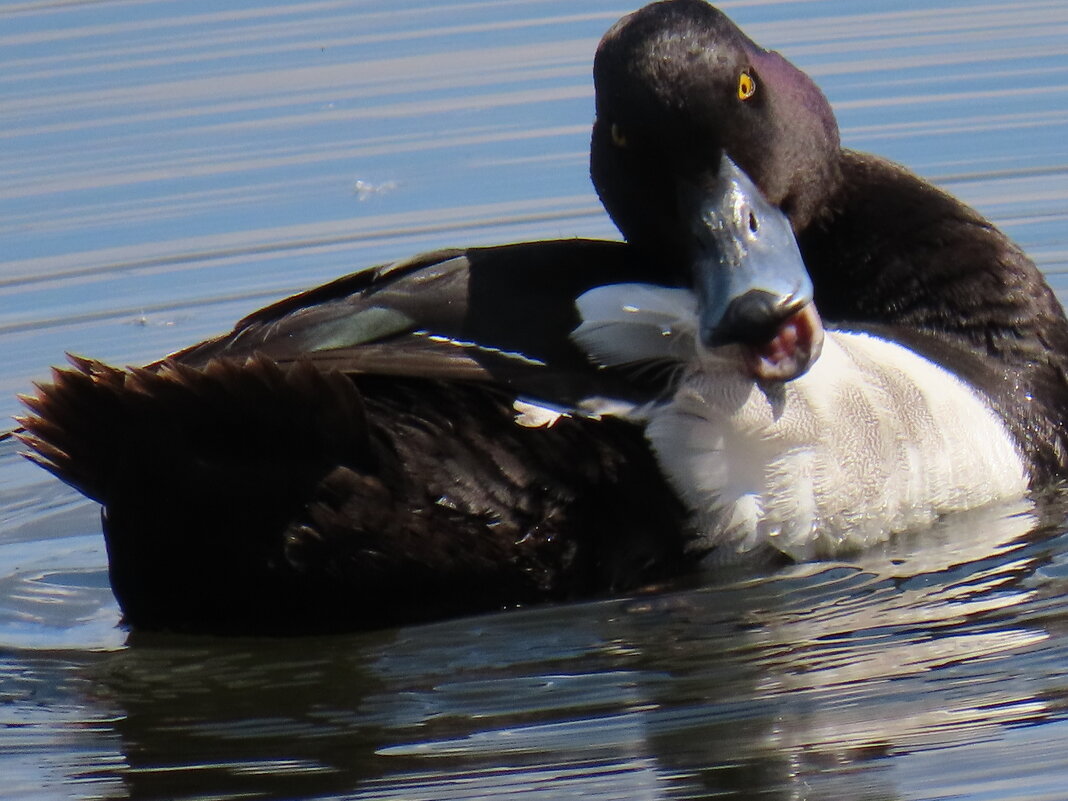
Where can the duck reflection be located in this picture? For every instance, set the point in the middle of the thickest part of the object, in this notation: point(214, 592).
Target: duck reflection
point(748, 685)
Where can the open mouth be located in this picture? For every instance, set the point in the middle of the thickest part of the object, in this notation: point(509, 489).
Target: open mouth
point(791, 351)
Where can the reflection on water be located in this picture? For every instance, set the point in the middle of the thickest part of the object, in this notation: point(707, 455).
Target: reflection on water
point(168, 167)
point(821, 681)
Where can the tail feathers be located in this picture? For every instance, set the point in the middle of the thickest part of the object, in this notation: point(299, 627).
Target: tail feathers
point(70, 417)
point(201, 472)
point(104, 430)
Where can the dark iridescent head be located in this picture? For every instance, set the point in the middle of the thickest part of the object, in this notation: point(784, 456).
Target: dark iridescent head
point(678, 84)
point(685, 99)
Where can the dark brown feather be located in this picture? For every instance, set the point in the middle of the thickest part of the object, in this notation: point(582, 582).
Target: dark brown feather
point(250, 496)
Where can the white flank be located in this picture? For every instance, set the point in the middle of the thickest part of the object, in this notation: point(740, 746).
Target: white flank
point(872, 441)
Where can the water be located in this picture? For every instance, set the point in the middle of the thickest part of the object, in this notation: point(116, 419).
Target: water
point(168, 167)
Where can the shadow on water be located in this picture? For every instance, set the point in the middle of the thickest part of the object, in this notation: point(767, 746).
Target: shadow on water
point(818, 681)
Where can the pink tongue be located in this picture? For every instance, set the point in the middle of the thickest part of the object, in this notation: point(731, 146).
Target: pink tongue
point(792, 351)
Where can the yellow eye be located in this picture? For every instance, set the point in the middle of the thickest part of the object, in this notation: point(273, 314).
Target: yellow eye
point(746, 86)
point(619, 139)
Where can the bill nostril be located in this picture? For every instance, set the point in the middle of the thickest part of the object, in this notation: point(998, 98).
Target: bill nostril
point(751, 319)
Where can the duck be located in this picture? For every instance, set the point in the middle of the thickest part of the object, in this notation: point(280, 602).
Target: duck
point(477, 429)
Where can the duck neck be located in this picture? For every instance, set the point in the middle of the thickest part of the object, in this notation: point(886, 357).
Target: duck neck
point(894, 255)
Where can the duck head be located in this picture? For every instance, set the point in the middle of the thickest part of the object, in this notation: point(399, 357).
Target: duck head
point(696, 126)
point(678, 83)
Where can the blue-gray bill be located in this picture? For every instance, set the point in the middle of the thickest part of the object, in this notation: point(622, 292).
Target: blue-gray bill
point(752, 285)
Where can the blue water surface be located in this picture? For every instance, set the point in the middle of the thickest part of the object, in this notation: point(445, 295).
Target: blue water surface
point(170, 166)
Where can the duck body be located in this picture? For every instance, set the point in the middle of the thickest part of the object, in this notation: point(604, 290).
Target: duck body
point(253, 498)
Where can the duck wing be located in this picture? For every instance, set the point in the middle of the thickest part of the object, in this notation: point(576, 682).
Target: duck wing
point(500, 314)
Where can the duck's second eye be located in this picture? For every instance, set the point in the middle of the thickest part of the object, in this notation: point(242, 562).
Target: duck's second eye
point(619, 139)
point(746, 86)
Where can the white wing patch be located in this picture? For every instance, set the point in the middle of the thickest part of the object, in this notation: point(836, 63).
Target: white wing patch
point(629, 323)
point(534, 415)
